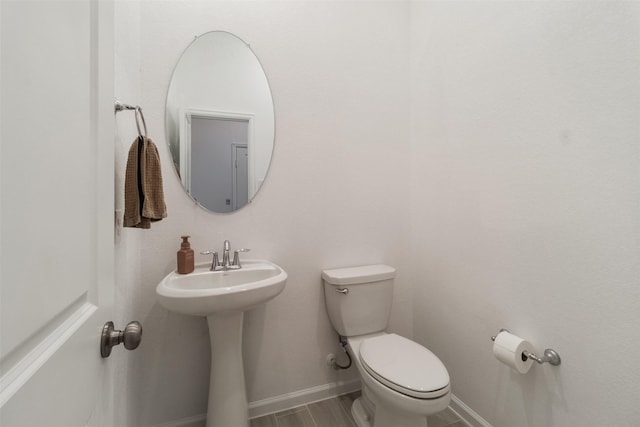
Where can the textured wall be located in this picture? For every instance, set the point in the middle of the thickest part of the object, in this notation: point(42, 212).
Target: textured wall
point(526, 195)
point(128, 291)
point(336, 194)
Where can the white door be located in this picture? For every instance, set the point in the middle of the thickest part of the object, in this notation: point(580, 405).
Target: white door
point(56, 210)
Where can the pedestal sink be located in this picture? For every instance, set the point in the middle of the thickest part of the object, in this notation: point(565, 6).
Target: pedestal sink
point(223, 297)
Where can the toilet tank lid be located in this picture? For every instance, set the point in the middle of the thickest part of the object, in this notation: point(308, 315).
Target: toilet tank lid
point(362, 274)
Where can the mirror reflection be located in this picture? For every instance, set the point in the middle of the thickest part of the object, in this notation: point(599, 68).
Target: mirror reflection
point(219, 122)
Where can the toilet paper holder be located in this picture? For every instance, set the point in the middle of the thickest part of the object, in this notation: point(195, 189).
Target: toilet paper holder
point(550, 356)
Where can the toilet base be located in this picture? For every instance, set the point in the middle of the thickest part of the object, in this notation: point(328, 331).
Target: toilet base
point(363, 415)
point(359, 414)
point(385, 418)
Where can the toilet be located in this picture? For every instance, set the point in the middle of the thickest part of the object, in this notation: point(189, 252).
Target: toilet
point(402, 381)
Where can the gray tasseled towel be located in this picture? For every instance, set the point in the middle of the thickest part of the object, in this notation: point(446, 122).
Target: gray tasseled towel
point(143, 193)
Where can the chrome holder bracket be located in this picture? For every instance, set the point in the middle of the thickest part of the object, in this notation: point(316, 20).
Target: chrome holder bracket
point(550, 356)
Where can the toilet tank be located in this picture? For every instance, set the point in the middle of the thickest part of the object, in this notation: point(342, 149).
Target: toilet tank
point(358, 299)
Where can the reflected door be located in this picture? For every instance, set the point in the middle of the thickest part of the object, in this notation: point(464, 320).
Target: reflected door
point(213, 166)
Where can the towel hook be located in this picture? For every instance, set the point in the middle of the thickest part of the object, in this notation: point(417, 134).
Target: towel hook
point(144, 124)
point(120, 106)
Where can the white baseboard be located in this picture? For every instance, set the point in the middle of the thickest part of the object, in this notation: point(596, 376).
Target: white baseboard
point(279, 403)
point(468, 415)
point(194, 421)
point(326, 391)
point(301, 397)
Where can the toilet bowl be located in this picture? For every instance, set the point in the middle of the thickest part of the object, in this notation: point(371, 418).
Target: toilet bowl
point(402, 381)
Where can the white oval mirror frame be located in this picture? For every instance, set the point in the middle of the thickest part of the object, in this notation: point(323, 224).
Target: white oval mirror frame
point(219, 122)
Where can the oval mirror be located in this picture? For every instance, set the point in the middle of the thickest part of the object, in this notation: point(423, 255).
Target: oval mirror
point(219, 122)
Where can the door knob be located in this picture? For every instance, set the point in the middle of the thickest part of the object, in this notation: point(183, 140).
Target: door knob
point(131, 337)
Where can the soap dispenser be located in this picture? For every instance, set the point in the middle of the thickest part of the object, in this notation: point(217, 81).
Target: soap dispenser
point(185, 257)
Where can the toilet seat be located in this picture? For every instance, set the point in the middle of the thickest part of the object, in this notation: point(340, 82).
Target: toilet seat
point(404, 366)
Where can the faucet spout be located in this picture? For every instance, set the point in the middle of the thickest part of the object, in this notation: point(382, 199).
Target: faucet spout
point(225, 254)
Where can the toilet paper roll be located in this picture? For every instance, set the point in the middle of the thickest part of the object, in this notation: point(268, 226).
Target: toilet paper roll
point(508, 349)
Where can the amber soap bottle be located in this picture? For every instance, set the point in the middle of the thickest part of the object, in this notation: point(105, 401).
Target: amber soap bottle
point(185, 257)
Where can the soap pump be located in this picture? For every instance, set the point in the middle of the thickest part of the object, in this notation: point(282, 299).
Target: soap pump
point(185, 257)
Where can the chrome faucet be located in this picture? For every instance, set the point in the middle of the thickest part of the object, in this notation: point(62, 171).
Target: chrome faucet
point(226, 264)
point(225, 254)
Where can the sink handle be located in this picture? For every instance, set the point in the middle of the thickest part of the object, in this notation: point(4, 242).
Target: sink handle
point(215, 263)
point(236, 257)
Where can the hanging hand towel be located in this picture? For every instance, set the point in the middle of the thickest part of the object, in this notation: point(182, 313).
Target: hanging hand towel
point(143, 193)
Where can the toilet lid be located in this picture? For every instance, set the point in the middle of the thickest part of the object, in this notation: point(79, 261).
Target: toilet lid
point(404, 366)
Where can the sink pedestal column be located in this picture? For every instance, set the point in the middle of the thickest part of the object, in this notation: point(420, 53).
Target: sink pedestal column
point(227, 395)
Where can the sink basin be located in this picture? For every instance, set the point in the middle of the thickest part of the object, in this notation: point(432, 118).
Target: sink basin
point(205, 292)
point(223, 297)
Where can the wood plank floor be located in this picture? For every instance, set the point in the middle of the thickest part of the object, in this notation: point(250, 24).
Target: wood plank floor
point(336, 412)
